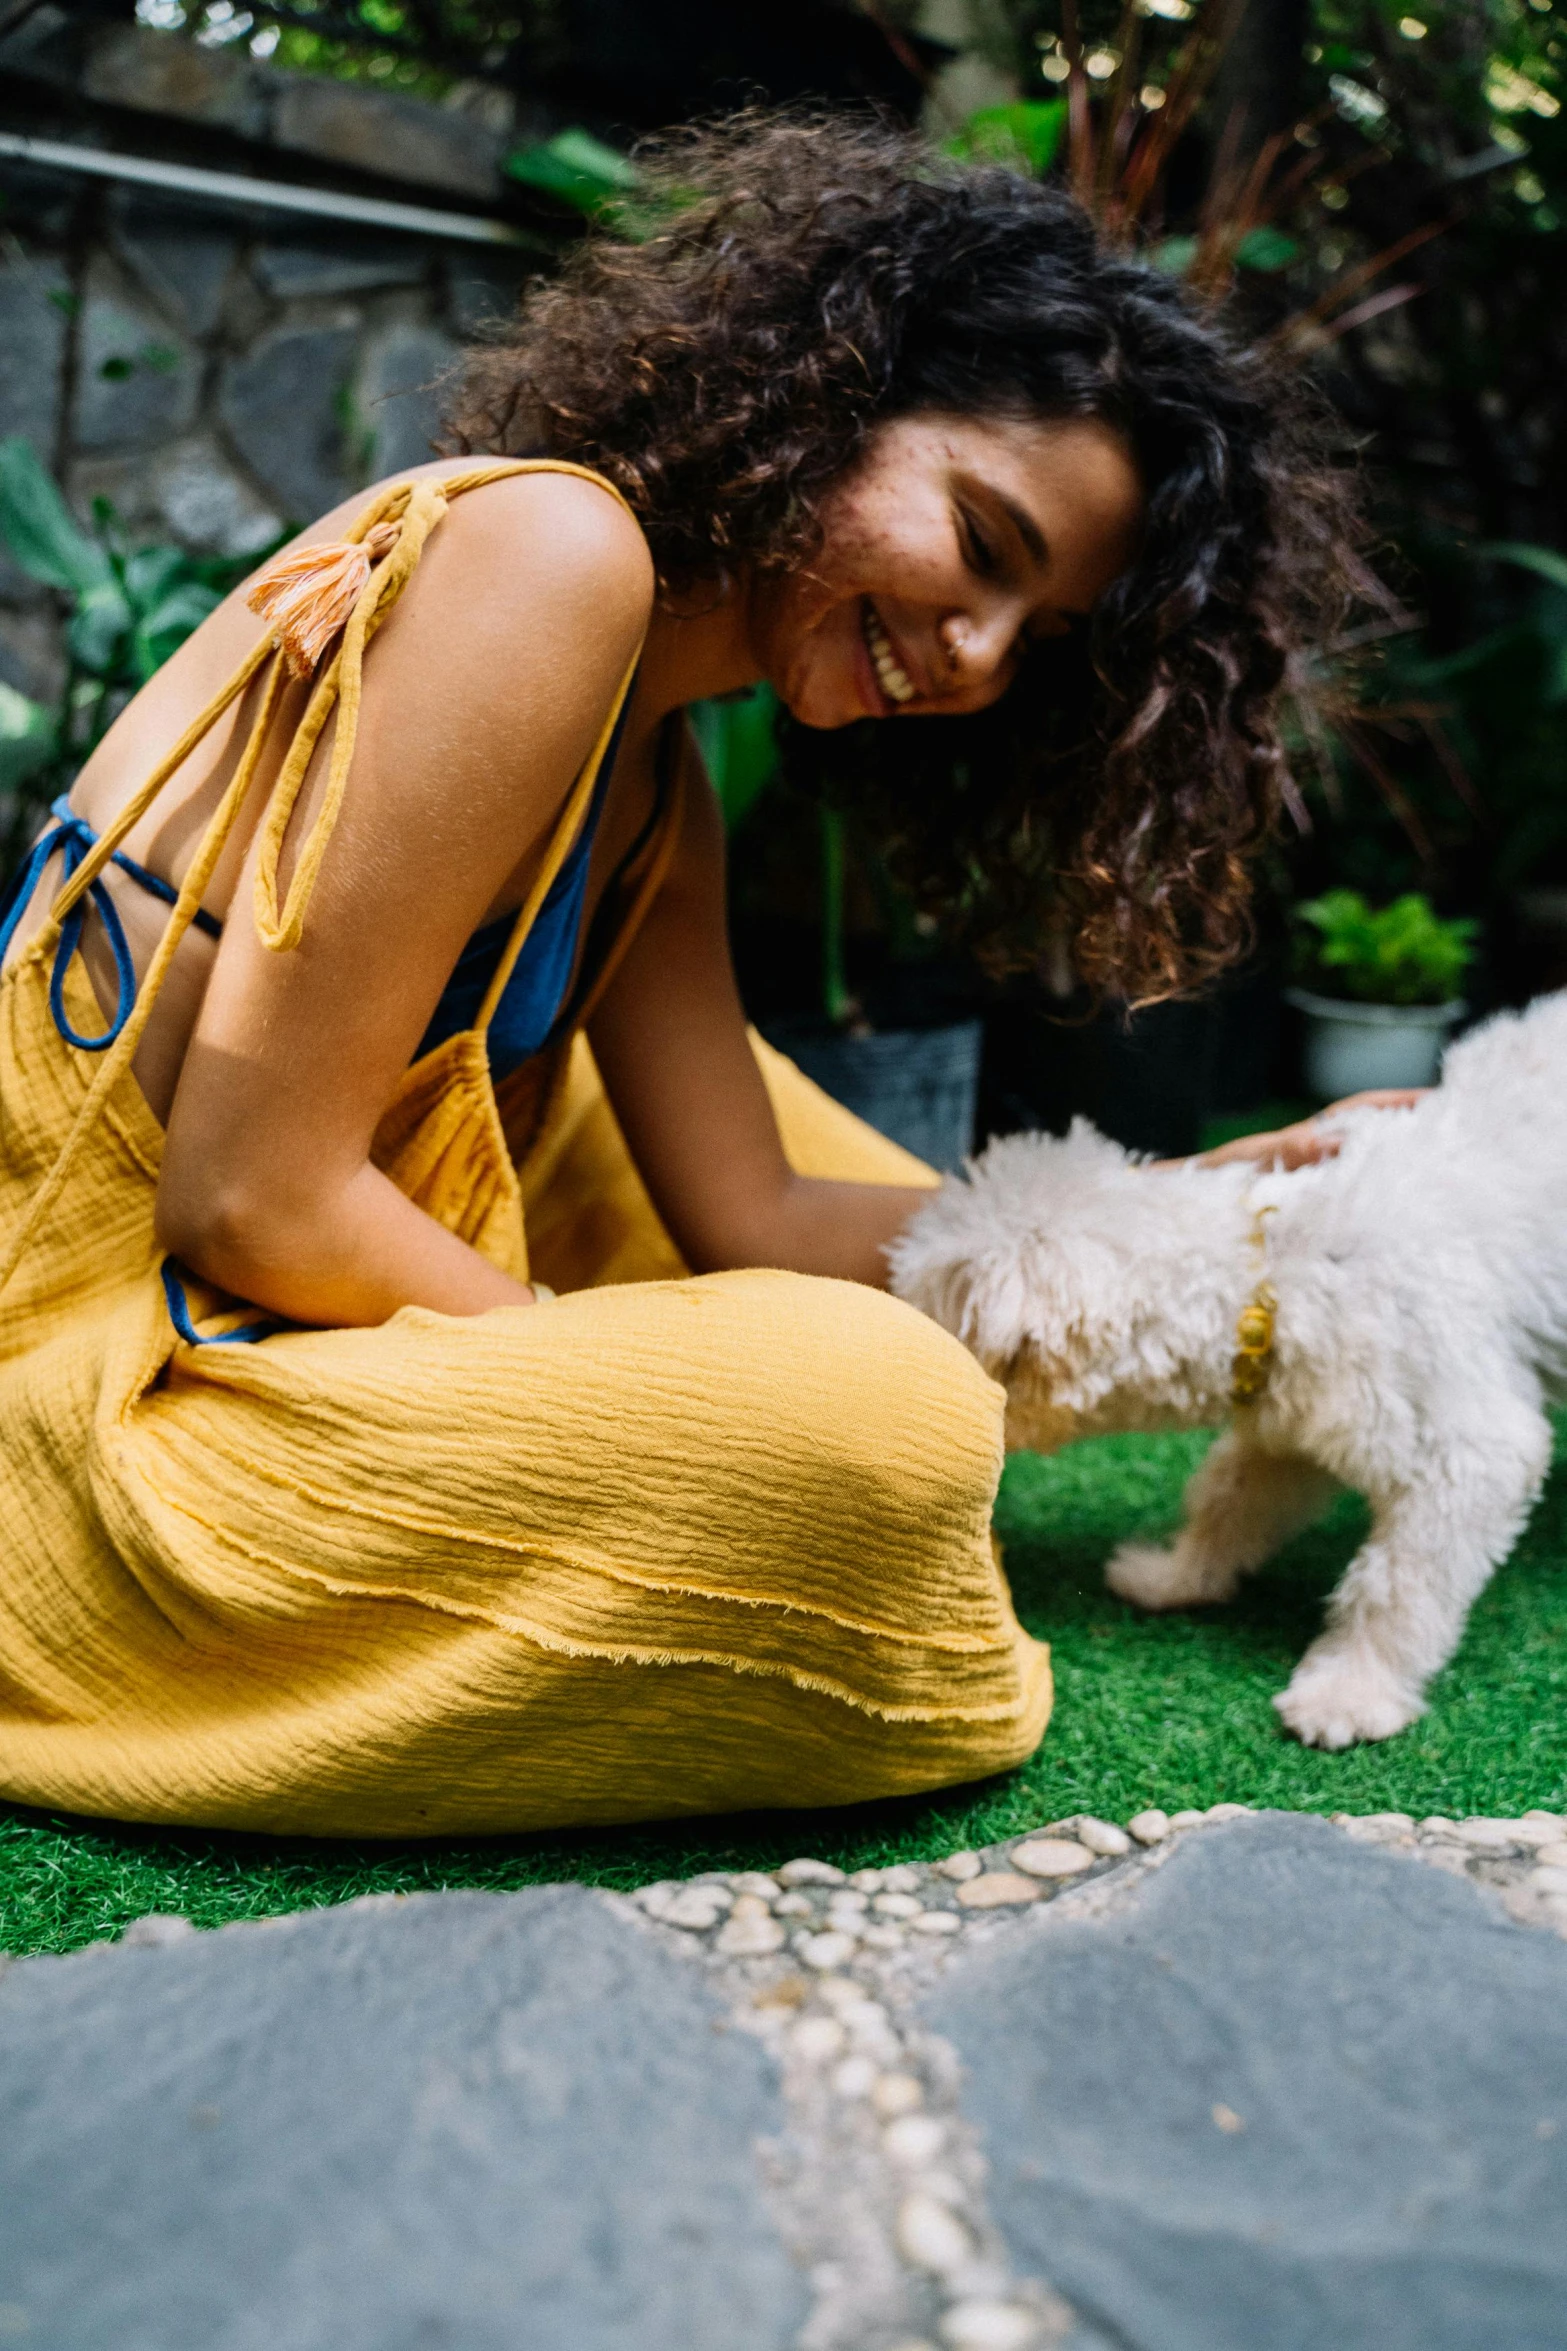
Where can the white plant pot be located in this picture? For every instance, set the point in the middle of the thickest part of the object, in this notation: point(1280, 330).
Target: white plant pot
point(1353, 1047)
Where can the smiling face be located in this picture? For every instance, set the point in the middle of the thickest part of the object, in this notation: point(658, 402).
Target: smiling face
point(952, 543)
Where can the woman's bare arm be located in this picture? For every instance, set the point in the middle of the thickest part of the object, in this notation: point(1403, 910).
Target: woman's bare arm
point(671, 1044)
point(483, 696)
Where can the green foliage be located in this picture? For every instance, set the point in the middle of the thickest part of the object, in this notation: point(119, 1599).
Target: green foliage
point(738, 740)
point(1027, 135)
point(578, 169)
point(600, 182)
point(40, 529)
point(129, 608)
point(1266, 250)
point(1404, 954)
point(28, 740)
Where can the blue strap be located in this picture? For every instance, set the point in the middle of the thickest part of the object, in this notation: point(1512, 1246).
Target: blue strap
point(179, 1314)
point(156, 887)
point(71, 839)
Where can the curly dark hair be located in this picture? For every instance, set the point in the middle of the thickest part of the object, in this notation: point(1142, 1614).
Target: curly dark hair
point(815, 276)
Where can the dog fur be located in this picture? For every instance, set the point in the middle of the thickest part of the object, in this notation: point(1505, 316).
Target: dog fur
point(1421, 1283)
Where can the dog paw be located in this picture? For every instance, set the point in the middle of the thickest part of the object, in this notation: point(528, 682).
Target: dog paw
point(1344, 1697)
point(1152, 1578)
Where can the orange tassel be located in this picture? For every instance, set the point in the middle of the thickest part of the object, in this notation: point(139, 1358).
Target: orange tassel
point(306, 594)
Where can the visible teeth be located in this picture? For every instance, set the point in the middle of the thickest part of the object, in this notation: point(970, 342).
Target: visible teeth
point(894, 678)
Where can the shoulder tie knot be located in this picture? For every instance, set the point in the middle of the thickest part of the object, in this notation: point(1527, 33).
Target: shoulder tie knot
point(306, 594)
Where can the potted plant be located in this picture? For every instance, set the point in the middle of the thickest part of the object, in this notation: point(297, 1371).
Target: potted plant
point(1384, 990)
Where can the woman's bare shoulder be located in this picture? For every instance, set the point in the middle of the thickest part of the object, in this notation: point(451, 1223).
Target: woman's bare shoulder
point(528, 583)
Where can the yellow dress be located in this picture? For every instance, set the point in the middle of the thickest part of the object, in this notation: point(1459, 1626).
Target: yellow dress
point(665, 1545)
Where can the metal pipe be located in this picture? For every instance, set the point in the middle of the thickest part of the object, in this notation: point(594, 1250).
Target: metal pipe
point(227, 187)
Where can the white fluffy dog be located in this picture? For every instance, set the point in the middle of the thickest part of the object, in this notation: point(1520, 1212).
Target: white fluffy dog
point(1418, 1315)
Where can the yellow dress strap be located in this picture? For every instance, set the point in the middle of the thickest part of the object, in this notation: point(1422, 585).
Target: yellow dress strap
point(555, 856)
point(653, 877)
point(397, 523)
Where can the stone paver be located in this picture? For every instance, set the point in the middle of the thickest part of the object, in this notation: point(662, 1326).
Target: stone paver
point(1208, 2082)
point(470, 2120)
point(1293, 2093)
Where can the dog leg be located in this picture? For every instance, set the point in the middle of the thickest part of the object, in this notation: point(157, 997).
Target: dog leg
point(1240, 1506)
point(1400, 1611)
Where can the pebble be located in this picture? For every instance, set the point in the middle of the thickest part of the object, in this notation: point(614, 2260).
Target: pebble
point(885, 1937)
point(1101, 1837)
point(1553, 1855)
point(868, 2026)
point(896, 2093)
point(1536, 1830)
point(865, 1881)
point(931, 2236)
point(914, 2140)
point(1150, 1827)
point(840, 1992)
point(935, 1922)
point(1187, 1819)
point(1435, 1824)
point(824, 1951)
point(794, 1906)
point(1051, 1857)
point(1548, 1879)
point(1001, 1888)
point(1487, 1836)
point(817, 2038)
point(810, 1873)
point(988, 2326)
point(847, 1906)
point(754, 1881)
point(1230, 1812)
point(902, 1878)
point(158, 1929)
point(750, 1937)
point(854, 2078)
point(960, 1867)
point(696, 1908)
point(897, 1905)
point(1374, 1828)
point(1453, 1858)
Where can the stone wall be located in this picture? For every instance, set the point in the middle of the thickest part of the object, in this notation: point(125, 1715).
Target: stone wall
point(219, 374)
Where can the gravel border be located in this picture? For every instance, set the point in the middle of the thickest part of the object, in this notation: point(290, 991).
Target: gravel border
point(879, 2187)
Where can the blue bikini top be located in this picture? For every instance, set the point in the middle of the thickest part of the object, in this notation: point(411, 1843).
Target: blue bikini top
point(531, 1013)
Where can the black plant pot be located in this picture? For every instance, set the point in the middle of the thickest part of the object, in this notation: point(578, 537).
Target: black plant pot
point(918, 1086)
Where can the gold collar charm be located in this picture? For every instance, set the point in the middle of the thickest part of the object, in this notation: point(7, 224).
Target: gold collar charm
point(1254, 1327)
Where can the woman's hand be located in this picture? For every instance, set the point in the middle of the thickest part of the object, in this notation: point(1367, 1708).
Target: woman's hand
point(1307, 1142)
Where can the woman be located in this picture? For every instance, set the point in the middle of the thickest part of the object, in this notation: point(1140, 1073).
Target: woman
point(319, 1513)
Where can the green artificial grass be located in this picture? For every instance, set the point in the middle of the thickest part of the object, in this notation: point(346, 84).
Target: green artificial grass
point(1149, 1710)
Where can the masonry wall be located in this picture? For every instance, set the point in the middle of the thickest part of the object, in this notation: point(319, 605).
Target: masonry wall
point(218, 374)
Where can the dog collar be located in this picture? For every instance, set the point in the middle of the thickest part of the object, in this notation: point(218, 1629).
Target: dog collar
point(1254, 1325)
